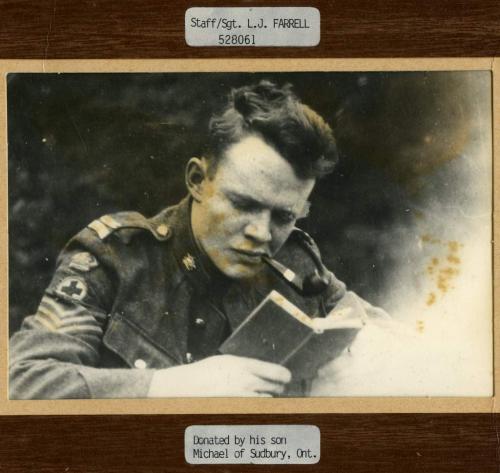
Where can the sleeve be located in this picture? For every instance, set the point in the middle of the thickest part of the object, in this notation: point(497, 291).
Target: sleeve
point(56, 353)
point(337, 290)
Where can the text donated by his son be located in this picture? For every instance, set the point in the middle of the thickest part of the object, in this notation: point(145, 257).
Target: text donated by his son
point(266, 444)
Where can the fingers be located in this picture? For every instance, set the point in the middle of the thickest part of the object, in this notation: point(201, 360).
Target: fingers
point(260, 388)
point(249, 394)
point(252, 385)
point(268, 371)
point(267, 387)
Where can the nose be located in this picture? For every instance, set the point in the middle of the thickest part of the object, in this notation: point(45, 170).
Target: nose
point(259, 228)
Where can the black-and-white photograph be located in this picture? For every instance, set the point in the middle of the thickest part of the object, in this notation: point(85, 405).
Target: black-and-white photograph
point(290, 234)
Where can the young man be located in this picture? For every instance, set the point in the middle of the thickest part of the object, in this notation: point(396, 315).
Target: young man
point(139, 307)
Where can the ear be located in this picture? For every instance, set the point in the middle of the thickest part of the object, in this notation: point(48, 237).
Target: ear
point(196, 176)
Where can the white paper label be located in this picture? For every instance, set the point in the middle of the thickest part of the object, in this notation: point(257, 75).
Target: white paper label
point(259, 444)
point(257, 26)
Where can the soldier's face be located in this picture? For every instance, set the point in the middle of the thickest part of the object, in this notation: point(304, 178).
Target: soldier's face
point(248, 208)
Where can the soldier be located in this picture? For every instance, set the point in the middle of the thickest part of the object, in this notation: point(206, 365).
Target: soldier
point(138, 307)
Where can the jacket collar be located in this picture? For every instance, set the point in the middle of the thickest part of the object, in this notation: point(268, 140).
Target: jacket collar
point(191, 259)
point(235, 298)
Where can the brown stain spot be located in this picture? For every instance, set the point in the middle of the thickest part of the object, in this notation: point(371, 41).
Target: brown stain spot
point(449, 272)
point(217, 254)
point(431, 268)
point(209, 189)
point(218, 218)
point(454, 246)
point(442, 284)
point(426, 238)
point(443, 269)
point(453, 259)
point(445, 277)
point(442, 148)
point(420, 326)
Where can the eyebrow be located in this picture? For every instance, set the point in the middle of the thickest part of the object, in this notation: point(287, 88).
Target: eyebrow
point(238, 195)
point(253, 201)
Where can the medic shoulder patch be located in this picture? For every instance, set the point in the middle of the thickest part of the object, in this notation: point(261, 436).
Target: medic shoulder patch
point(83, 261)
point(72, 287)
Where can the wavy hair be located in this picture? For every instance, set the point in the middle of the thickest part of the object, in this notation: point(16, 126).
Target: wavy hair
point(275, 113)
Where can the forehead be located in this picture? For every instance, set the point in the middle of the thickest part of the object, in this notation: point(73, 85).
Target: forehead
point(254, 168)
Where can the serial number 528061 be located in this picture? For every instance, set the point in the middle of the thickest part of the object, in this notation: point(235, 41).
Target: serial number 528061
point(237, 39)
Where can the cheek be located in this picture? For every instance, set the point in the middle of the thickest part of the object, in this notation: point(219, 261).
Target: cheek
point(223, 221)
point(215, 212)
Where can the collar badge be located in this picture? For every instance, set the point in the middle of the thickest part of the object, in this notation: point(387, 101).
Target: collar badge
point(189, 262)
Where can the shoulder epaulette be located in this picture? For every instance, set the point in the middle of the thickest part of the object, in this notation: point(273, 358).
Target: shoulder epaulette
point(108, 224)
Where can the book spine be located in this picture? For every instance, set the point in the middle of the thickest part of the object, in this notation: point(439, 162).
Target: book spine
point(297, 348)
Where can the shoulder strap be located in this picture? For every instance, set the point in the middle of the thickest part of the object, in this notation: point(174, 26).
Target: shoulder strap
point(108, 224)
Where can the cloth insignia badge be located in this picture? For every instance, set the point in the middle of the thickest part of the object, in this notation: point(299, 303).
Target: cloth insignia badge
point(72, 287)
point(83, 261)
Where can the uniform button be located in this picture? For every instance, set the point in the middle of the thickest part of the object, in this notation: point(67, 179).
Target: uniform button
point(189, 357)
point(140, 364)
point(200, 322)
point(162, 230)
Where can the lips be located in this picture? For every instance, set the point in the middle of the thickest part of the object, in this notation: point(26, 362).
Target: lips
point(248, 255)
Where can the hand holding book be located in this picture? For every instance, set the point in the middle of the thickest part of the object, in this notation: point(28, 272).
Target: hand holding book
point(279, 332)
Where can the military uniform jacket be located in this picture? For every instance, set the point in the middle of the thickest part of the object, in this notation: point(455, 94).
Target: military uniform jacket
point(131, 295)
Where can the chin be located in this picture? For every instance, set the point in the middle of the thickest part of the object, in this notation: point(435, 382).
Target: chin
point(239, 271)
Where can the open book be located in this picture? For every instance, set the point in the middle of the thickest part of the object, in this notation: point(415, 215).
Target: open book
point(279, 332)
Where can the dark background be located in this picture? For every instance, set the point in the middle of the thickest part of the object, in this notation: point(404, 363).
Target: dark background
point(82, 145)
point(351, 443)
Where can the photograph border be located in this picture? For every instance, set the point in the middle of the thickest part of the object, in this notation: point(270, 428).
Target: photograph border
point(245, 405)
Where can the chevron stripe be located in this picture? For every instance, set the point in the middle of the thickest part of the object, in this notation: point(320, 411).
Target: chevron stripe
point(61, 309)
point(65, 309)
point(47, 324)
point(80, 320)
point(70, 319)
point(49, 315)
point(88, 329)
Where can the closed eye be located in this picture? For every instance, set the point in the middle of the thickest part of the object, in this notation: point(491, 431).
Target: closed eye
point(284, 217)
point(245, 205)
point(281, 217)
